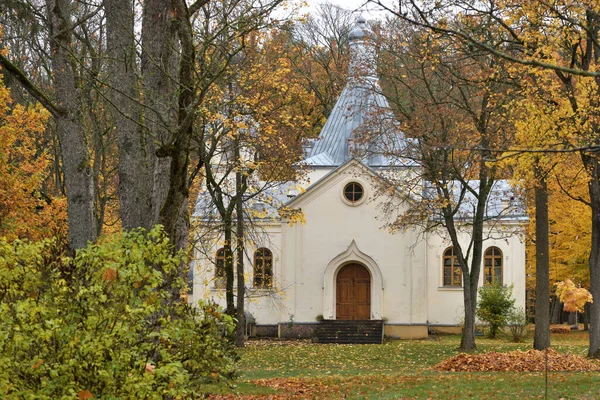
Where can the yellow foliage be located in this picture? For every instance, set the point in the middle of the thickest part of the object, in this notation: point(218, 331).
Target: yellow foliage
point(293, 215)
point(549, 126)
point(573, 297)
point(25, 212)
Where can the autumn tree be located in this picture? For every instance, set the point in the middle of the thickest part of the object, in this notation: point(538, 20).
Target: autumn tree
point(451, 104)
point(183, 50)
point(555, 177)
point(28, 48)
point(25, 210)
point(570, 223)
point(317, 52)
point(574, 297)
point(27, 45)
point(251, 135)
point(561, 37)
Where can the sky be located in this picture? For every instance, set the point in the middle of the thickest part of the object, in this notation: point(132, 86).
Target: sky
point(369, 11)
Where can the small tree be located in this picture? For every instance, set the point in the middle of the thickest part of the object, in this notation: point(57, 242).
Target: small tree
point(574, 298)
point(517, 323)
point(494, 305)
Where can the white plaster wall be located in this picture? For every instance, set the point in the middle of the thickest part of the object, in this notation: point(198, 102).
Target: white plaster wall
point(409, 290)
point(445, 305)
point(331, 226)
point(313, 175)
point(265, 305)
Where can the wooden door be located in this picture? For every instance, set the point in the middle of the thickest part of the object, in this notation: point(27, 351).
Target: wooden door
point(353, 293)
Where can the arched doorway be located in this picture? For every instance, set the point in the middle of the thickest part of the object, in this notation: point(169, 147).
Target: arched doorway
point(353, 293)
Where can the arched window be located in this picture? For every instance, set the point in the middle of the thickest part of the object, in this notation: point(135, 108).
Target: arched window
point(492, 266)
point(452, 272)
point(220, 269)
point(263, 268)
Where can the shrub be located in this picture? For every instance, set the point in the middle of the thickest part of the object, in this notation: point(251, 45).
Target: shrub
point(517, 324)
point(105, 323)
point(494, 305)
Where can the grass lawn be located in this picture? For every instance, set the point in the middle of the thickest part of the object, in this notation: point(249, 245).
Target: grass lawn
point(397, 369)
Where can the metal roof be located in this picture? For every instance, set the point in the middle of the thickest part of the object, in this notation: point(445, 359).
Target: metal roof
point(503, 203)
point(361, 124)
point(359, 107)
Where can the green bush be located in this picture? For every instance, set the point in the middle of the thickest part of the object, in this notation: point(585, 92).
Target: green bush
point(106, 323)
point(494, 305)
point(517, 324)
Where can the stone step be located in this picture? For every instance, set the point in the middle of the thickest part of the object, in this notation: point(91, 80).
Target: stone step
point(343, 331)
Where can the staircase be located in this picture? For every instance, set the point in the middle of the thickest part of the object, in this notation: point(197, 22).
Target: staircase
point(343, 331)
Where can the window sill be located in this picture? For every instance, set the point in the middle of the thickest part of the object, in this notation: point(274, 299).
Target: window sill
point(262, 289)
point(450, 288)
point(252, 289)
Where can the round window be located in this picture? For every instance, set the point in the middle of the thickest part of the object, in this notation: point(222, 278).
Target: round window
point(353, 192)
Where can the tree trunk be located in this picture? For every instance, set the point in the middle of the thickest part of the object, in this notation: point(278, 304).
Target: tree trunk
point(572, 319)
point(593, 165)
point(467, 341)
point(159, 72)
point(541, 338)
point(586, 317)
point(228, 267)
point(556, 310)
point(135, 177)
point(173, 214)
point(240, 330)
point(79, 185)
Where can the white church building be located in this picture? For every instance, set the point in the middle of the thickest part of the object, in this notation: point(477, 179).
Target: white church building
point(341, 263)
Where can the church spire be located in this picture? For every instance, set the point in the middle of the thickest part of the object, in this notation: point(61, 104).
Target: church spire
point(361, 106)
point(362, 52)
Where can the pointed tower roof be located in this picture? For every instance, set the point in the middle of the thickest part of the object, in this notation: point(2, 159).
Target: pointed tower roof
point(361, 105)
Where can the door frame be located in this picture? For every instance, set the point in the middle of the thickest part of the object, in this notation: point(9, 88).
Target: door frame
point(352, 255)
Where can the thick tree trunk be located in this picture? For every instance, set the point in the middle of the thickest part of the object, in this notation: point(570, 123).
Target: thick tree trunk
point(173, 215)
point(593, 165)
point(159, 72)
point(79, 185)
point(240, 330)
point(174, 212)
point(135, 175)
point(541, 338)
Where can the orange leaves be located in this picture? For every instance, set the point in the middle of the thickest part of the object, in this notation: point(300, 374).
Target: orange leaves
point(516, 361)
point(25, 212)
point(84, 395)
point(560, 328)
point(38, 364)
point(150, 368)
point(573, 297)
point(109, 275)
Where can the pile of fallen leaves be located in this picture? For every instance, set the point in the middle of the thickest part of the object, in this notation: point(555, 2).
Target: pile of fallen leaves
point(287, 388)
point(517, 361)
point(560, 329)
